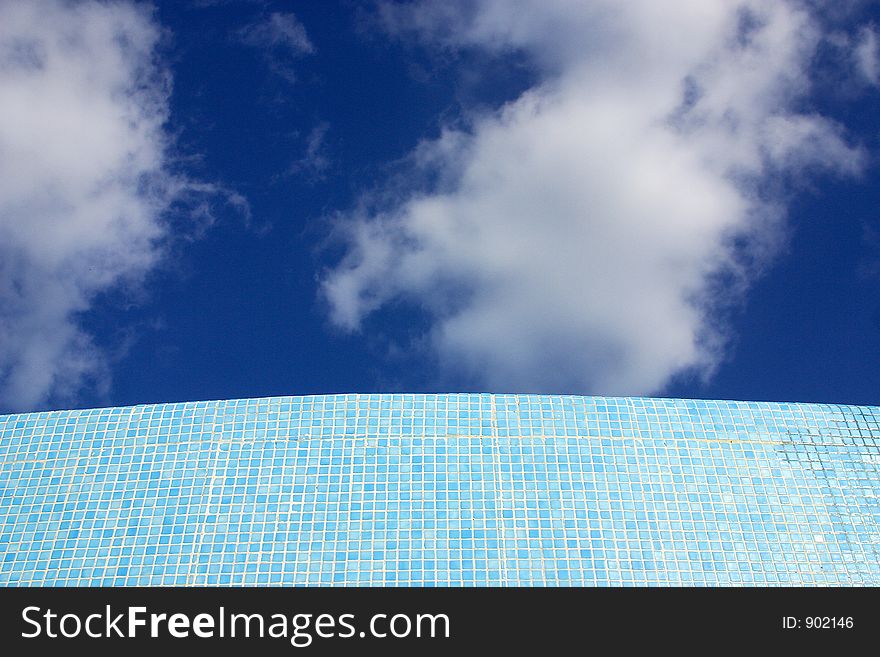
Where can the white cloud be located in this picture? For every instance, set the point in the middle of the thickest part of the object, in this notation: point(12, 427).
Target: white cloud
point(278, 30)
point(867, 53)
point(282, 38)
point(315, 161)
point(83, 181)
point(586, 233)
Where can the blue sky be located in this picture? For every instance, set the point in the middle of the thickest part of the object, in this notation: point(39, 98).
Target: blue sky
point(221, 199)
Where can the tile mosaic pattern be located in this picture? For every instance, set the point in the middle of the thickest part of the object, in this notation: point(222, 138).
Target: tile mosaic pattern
point(442, 490)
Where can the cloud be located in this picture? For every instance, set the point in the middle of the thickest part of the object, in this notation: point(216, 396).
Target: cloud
point(315, 161)
point(867, 53)
point(206, 4)
point(588, 236)
point(278, 31)
point(282, 38)
point(84, 181)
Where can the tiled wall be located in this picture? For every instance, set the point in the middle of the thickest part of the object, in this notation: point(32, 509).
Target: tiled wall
point(442, 490)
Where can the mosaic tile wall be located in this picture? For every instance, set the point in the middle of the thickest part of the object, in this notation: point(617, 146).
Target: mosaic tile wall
point(442, 490)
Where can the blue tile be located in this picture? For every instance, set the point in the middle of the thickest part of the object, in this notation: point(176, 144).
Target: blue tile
point(440, 490)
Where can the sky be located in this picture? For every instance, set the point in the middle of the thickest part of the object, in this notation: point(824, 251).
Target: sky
point(213, 199)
